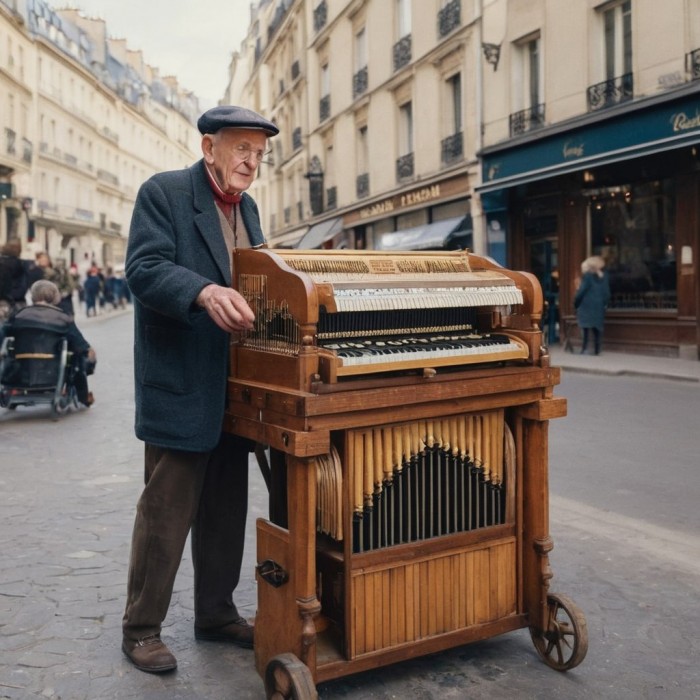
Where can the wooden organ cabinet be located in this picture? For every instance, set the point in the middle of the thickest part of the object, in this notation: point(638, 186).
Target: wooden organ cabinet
point(405, 399)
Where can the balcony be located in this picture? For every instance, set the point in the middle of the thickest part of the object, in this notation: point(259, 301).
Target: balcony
point(404, 167)
point(362, 185)
point(10, 139)
point(692, 64)
point(526, 120)
point(402, 52)
point(331, 198)
point(449, 18)
point(27, 150)
point(452, 148)
point(359, 82)
point(108, 177)
point(324, 108)
point(320, 16)
point(610, 92)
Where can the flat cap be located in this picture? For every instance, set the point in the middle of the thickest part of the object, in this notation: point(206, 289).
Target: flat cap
point(228, 116)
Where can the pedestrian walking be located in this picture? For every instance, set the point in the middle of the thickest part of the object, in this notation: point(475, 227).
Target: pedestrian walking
point(92, 288)
point(591, 300)
point(13, 279)
point(178, 267)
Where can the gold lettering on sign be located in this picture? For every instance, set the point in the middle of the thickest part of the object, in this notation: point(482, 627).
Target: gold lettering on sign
point(378, 208)
point(571, 150)
point(424, 195)
point(682, 122)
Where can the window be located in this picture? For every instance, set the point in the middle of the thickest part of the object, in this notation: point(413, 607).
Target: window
point(359, 79)
point(362, 150)
point(633, 229)
point(616, 41)
point(454, 99)
point(453, 144)
point(617, 22)
point(527, 92)
point(360, 50)
point(402, 47)
point(403, 16)
point(325, 104)
point(404, 164)
point(406, 129)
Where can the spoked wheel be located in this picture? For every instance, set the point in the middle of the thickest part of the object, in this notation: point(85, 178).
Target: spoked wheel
point(288, 678)
point(564, 643)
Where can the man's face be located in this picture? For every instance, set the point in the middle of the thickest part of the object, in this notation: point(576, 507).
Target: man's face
point(234, 155)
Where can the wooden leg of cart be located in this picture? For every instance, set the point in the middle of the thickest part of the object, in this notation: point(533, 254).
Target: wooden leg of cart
point(285, 645)
point(557, 625)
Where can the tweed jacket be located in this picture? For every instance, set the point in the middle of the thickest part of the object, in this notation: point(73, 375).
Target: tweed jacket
point(175, 249)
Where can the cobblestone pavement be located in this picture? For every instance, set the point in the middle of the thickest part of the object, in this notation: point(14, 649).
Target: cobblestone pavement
point(67, 495)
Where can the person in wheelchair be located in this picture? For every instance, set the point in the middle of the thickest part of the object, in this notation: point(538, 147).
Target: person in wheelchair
point(44, 313)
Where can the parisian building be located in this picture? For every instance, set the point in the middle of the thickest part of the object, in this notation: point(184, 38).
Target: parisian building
point(537, 132)
point(85, 120)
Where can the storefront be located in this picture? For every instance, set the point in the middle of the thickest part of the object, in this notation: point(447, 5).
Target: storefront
point(623, 184)
point(434, 216)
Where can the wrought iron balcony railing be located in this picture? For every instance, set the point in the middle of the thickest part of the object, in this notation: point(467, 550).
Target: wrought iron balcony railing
point(362, 185)
point(404, 167)
point(324, 109)
point(692, 64)
point(610, 92)
point(452, 148)
point(320, 16)
point(449, 18)
point(526, 120)
point(402, 52)
point(331, 198)
point(359, 82)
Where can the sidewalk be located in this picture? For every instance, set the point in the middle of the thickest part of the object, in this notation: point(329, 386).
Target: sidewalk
point(628, 364)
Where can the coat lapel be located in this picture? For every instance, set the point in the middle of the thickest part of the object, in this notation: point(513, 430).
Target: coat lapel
point(207, 222)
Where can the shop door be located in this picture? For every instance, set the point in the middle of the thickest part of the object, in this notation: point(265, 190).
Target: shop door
point(544, 264)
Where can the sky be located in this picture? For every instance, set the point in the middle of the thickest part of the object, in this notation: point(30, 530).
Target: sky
point(190, 39)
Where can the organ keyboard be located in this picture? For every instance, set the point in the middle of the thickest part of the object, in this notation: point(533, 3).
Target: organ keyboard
point(326, 315)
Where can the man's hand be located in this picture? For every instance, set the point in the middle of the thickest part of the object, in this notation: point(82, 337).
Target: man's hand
point(226, 307)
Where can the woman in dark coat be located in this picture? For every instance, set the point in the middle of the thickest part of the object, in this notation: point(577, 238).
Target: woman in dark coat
point(591, 300)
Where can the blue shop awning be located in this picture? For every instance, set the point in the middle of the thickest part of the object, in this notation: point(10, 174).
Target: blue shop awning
point(642, 131)
point(449, 233)
point(318, 234)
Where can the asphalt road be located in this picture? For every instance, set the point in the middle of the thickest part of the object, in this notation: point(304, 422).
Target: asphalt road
point(624, 519)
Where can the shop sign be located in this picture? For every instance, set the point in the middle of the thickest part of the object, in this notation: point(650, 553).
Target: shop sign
point(408, 199)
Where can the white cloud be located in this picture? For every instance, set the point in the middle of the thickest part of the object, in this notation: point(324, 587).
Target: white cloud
point(190, 39)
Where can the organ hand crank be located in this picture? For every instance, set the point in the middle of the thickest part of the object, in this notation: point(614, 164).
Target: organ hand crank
point(327, 315)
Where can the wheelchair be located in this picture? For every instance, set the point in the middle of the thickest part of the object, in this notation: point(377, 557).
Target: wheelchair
point(36, 369)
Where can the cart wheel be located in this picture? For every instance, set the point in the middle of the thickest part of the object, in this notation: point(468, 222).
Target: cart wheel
point(563, 645)
point(287, 678)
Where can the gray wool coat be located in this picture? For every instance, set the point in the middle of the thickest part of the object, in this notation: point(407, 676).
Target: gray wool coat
point(175, 249)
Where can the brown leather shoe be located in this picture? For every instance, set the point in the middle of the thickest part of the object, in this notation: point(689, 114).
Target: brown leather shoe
point(149, 654)
point(238, 632)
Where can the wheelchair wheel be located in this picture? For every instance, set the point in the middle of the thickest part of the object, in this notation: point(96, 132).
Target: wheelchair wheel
point(64, 401)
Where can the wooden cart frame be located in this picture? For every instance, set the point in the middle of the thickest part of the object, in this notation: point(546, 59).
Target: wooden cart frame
point(417, 598)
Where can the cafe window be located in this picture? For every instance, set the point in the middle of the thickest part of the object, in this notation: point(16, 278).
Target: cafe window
point(633, 229)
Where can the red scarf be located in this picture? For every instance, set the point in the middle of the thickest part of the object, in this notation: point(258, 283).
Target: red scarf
point(225, 202)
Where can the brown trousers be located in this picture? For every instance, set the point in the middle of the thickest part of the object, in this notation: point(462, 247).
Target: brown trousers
point(207, 493)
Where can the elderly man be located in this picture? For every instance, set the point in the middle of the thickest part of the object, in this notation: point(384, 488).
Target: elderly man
point(185, 225)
